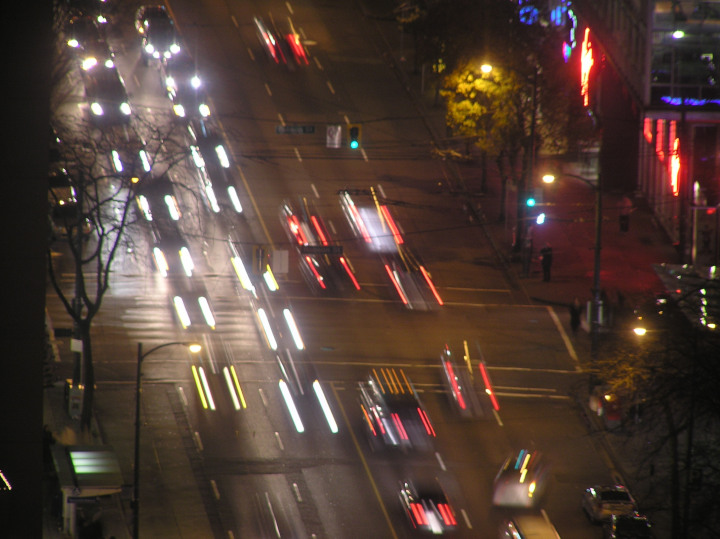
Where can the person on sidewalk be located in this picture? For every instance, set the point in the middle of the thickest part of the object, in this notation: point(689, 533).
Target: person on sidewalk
point(626, 208)
point(575, 313)
point(546, 257)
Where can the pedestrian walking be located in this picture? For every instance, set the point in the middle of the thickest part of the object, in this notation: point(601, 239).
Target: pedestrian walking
point(575, 312)
point(626, 208)
point(546, 257)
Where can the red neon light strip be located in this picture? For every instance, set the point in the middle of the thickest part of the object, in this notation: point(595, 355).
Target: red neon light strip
point(488, 387)
point(391, 223)
point(431, 285)
point(395, 283)
point(317, 226)
point(319, 278)
point(455, 387)
point(349, 272)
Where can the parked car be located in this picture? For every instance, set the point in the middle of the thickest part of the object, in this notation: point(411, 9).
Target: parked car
point(601, 502)
point(635, 526)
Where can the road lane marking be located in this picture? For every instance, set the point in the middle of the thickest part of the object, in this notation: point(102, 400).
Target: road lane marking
point(365, 464)
point(466, 518)
point(564, 335)
point(297, 493)
point(262, 397)
point(215, 490)
point(440, 461)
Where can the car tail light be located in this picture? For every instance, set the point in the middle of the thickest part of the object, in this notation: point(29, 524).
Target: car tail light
point(447, 514)
point(419, 515)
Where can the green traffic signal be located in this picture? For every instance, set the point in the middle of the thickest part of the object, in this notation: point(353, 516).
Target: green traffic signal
point(530, 202)
point(354, 132)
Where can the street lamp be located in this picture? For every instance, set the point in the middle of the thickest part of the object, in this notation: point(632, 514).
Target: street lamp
point(596, 292)
point(193, 348)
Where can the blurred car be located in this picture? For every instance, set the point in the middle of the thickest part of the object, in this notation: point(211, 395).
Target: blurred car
point(634, 526)
point(460, 386)
point(295, 46)
point(393, 412)
point(528, 527)
point(160, 39)
point(216, 159)
point(521, 481)
point(427, 509)
point(156, 199)
point(269, 42)
point(87, 40)
point(106, 95)
point(661, 313)
point(601, 502)
point(184, 87)
point(61, 194)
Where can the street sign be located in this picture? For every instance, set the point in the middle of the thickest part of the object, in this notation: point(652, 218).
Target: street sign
point(295, 129)
point(322, 250)
point(333, 136)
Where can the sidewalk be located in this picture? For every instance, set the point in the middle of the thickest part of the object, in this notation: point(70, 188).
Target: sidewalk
point(626, 277)
point(171, 503)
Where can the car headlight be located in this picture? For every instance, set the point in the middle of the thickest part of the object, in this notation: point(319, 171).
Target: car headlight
point(96, 109)
point(204, 110)
point(174, 48)
point(149, 48)
point(89, 63)
point(170, 83)
point(125, 109)
point(73, 43)
point(167, 55)
point(195, 82)
point(109, 63)
point(179, 110)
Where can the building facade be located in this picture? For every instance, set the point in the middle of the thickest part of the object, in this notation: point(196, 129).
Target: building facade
point(659, 99)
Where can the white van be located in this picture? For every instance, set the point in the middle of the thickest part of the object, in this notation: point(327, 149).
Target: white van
point(529, 527)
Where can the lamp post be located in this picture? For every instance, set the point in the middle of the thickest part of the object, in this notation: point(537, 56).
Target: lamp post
point(596, 291)
point(192, 347)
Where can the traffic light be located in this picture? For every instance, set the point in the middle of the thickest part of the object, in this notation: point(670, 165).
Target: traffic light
point(529, 200)
point(540, 219)
point(354, 132)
